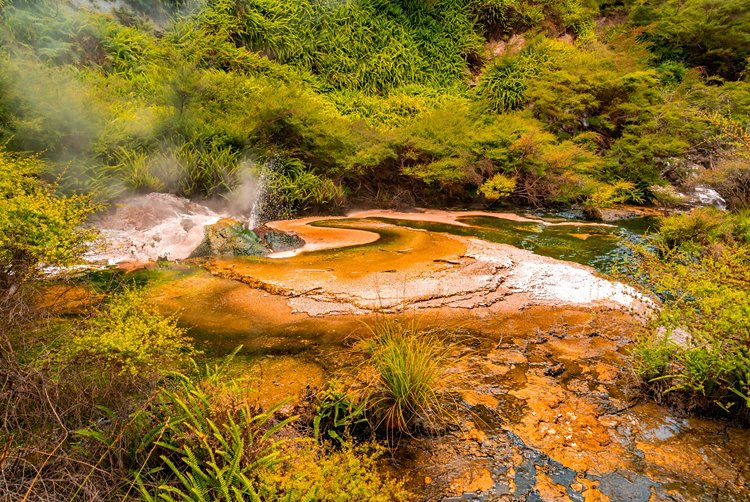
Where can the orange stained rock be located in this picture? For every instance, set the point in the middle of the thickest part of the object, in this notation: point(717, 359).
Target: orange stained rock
point(474, 398)
point(472, 480)
point(548, 490)
point(565, 427)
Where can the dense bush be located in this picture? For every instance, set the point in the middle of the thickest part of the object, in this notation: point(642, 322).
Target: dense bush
point(697, 352)
point(372, 99)
point(502, 17)
point(711, 34)
point(128, 337)
point(38, 229)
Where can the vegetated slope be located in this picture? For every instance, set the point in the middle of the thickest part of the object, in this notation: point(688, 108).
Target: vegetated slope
point(388, 102)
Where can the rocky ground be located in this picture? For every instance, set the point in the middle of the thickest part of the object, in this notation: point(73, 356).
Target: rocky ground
point(548, 414)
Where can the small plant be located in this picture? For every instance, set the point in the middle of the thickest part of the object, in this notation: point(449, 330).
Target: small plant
point(408, 391)
point(337, 413)
point(607, 195)
point(128, 336)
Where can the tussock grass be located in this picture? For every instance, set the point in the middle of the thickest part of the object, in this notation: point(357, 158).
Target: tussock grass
point(408, 390)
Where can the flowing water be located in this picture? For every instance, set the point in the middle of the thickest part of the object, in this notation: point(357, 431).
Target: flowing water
point(547, 413)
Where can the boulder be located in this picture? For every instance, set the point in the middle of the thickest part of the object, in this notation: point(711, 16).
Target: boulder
point(228, 237)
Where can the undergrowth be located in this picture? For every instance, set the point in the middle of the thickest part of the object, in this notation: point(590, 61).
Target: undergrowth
point(696, 353)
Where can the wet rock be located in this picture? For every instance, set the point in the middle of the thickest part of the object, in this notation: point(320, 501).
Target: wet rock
point(508, 356)
point(143, 228)
point(473, 480)
point(610, 214)
point(229, 237)
point(705, 196)
point(278, 241)
point(626, 486)
point(554, 369)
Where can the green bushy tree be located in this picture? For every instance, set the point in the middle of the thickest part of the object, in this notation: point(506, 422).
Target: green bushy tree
point(712, 34)
point(38, 229)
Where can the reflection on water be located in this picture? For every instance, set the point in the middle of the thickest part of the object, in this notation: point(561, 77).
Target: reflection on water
point(599, 246)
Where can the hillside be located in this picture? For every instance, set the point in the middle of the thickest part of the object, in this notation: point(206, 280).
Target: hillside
point(381, 103)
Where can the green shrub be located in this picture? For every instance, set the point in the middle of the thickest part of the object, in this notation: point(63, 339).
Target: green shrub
point(503, 85)
point(497, 187)
point(702, 226)
point(706, 33)
point(697, 352)
point(38, 229)
point(503, 17)
point(210, 451)
point(315, 473)
point(127, 336)
point(607, 195)
point(653, 356)
point(198, 438)
point(292, 188)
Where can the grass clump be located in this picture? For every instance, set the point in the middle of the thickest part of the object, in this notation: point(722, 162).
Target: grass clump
point(408, 389)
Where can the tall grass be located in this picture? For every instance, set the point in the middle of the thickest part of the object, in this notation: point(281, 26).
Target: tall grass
point(409, 390)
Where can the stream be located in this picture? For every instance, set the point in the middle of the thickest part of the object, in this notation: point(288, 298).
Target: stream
point(547, 408)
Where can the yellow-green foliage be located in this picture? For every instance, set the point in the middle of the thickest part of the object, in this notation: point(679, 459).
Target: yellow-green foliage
point(202, 440)
point(128, 336)
point(317, 473)
point(713, 35)
point(37, 228)
point(497, 187)
point(372, 96)
point(698, 350)
point(502, 17)
point(616, 193)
